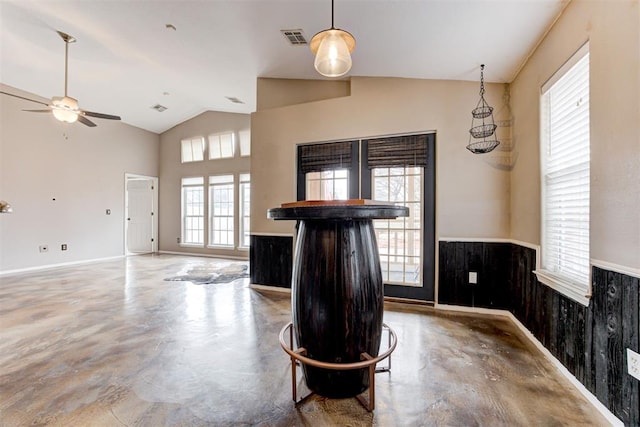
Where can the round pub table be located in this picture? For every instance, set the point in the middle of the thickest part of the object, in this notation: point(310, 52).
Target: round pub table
point(337, 291)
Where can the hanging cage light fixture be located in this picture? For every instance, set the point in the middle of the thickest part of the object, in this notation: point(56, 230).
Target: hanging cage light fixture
point(332, 48)
point(481, 135)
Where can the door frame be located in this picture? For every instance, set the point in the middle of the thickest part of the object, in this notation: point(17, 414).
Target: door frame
point(360, 186)
point(154, 220)
point(426, 292)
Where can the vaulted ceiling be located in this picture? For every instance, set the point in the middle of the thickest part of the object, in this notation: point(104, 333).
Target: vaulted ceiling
point(192, 56)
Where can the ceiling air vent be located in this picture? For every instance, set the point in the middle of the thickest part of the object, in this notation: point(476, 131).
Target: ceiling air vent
point(295, 37)
point(234, 99)
point(159, 108)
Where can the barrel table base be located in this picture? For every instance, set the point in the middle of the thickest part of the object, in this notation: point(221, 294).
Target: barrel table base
point(337, 301)
point(298, 356)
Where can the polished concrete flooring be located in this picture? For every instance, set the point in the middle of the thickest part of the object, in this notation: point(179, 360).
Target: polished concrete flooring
point(113, 344)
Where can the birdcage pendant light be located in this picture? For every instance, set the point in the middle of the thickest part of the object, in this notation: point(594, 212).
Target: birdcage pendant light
point(482, 137)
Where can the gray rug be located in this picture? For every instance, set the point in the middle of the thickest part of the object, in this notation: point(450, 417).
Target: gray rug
point(216, 273)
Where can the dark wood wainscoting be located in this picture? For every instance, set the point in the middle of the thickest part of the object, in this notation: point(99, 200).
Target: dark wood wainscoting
point(590, 342)
point(271, 260)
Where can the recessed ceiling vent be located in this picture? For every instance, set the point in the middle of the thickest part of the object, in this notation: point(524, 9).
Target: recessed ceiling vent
point(295, 37)
point(159, 108)
point(234, 100)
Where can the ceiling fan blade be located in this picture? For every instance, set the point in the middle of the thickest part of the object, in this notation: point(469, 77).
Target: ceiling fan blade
point(100, 115)
point(38, 111)
point(86, 121)
point(22, 97)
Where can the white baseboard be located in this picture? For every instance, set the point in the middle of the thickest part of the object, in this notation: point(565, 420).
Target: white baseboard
point(234, 257)
point(615, 421)
point(60, 265)
point(270, 288)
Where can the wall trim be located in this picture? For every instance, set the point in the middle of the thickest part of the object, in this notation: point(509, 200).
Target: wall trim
point(60, 265)
point(205, 255)
point(272, 234)
point(270, 288)
point(490, 240)
point(629, 271)
point(615, 421)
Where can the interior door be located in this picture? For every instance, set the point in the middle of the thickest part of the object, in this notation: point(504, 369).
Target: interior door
point(139, 236)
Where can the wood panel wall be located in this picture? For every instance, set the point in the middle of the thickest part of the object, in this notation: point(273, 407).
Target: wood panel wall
point(271, 260)
point(590, 342)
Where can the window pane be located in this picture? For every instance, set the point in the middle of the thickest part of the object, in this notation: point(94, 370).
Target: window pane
point(221, 210)
point(327, 185)
point(245, 142)
point(221, 146)
point(192, 150)
point(192, 211)
point(400, 240)
point(245, 209)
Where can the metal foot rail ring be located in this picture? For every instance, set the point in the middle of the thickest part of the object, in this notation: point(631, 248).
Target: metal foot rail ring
point(368, 362)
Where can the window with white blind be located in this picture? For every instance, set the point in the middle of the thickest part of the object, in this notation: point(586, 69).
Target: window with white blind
point(221, 146)
point(192, 149)
point(221, 210)
point(565, 158)
point(192, 211)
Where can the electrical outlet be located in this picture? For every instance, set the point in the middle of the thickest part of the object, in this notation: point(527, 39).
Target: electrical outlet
point(63, 247)
point(473, 278)
point(633, 363)
point(43, 248)
point(108, 211)
point(178, 240)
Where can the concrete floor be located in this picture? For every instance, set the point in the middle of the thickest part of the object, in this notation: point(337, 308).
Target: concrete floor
point(113, 344)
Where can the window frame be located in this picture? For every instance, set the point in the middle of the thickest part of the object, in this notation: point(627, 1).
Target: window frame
point(244, 181)
point(360, 186)
point(214, 181)
point(184, 184)
point(193, 143)
point(218, 138)
point(571, 285)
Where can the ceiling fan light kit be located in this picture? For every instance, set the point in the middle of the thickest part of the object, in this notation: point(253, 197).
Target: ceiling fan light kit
point(65, 108)
point(332, 48)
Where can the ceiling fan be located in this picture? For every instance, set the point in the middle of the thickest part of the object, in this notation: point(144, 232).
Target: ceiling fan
point(66, 108)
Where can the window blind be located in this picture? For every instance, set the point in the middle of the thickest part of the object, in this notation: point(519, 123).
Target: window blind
point(326, 156)
point(566, 158)
point(397, 151)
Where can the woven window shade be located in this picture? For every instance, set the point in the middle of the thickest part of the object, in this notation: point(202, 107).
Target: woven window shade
point(320, 157)
point(397, 151)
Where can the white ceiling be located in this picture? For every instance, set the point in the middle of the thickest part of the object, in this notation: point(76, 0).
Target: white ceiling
point(126, 60)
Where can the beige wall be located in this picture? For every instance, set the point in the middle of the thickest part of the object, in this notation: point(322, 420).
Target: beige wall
point(172, 170)
point(82, 168)
point(613, 30)
point(283, 92)
point(472, 190)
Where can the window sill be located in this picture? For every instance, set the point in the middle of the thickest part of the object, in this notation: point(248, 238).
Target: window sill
point(229, 248)
point(564, 287)
point(191, 245)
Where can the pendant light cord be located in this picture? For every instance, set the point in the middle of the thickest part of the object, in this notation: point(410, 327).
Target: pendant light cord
point(332, 27)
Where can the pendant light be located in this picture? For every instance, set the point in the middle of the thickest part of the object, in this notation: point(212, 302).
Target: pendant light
point(481, 135)
point(332, 48)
